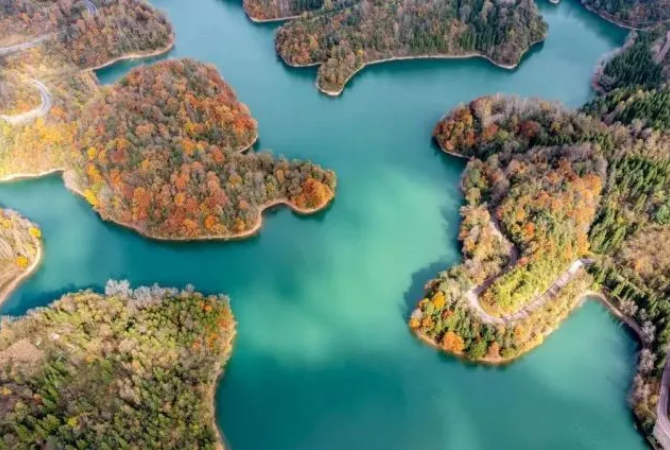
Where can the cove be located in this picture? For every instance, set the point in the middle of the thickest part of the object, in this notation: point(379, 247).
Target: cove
point(323, 358)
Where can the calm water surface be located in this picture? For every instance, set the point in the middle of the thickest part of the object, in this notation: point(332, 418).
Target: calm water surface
point(324, 360)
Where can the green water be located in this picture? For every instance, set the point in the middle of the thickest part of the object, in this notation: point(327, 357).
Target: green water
point(323, 358)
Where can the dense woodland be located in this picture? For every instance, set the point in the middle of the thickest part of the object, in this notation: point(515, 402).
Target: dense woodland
point(592, 184)
point(281, 9)
point(162, 152)
point(89, 33)
point(631, 13)
point(643, 61)
point(128, 369)
point(344, 38)
point(19, 246)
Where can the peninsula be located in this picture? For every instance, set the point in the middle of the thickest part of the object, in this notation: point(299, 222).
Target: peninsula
point(20, 251)
point(130, 367)
point(560, 205)
point(162, 152)
point(643, 61)
point(345, 38)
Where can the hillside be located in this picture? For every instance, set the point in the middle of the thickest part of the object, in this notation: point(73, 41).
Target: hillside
point(128, 368)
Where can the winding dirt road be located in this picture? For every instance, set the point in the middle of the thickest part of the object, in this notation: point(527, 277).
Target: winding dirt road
point(25, 45)
point(473, 294)
point(40, 111)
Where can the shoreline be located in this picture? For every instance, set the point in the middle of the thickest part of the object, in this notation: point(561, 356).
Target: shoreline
point(211, 392)
point(131, 56)
point(262, 208)
point(274, 20)
point(30, 270)
point(332, 93)
point(29, 176)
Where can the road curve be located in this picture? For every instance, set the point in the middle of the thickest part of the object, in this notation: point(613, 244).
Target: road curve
point(90, 6)
point(473, 294)
point(40, 111)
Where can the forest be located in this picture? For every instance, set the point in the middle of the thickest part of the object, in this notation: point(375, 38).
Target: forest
point(92, 34)
point(133, 368)
point(344, 38)
point(162, 152)
point(564, 186)
point(20, 243)
point(264, 10)
point(643, 61)
point(631, 13)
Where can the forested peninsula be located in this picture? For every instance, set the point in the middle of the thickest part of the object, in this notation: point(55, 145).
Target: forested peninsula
point(161, 151)
point(20, 250)
point(130, 368)
point(346, 36)
point(560, 205)
point(643, 61)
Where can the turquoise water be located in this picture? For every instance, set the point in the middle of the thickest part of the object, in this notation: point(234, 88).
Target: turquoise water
point(323, 358)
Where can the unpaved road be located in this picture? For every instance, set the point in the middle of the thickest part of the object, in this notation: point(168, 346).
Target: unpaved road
point(33, 114)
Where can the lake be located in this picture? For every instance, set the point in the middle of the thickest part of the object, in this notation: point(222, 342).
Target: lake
point(324, 359)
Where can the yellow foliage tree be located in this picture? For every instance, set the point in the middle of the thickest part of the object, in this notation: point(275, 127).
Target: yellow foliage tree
point(452, 342)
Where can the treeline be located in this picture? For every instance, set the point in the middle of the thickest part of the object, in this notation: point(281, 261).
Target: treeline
point(344, 38)
point(161, 152)
point(631, 13)
point(19, 246)
point(644, 61)
point(649, 107)
point(128, 369)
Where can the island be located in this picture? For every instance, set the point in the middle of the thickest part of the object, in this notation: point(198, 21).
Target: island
point(129, 368)
point(561, 206)
point(162, 151)
point(20, 251)
point(345, 38)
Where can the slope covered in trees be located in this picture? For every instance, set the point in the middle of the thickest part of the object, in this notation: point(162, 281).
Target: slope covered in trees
point(88, 35)
point(631, 13)
point(346, 37)
point(161, 152)
point(564, 185)
point(643, 61)
point(128, 369)
point(20, 250)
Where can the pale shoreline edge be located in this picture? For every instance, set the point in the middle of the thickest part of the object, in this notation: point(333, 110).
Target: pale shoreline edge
point(337, 93)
